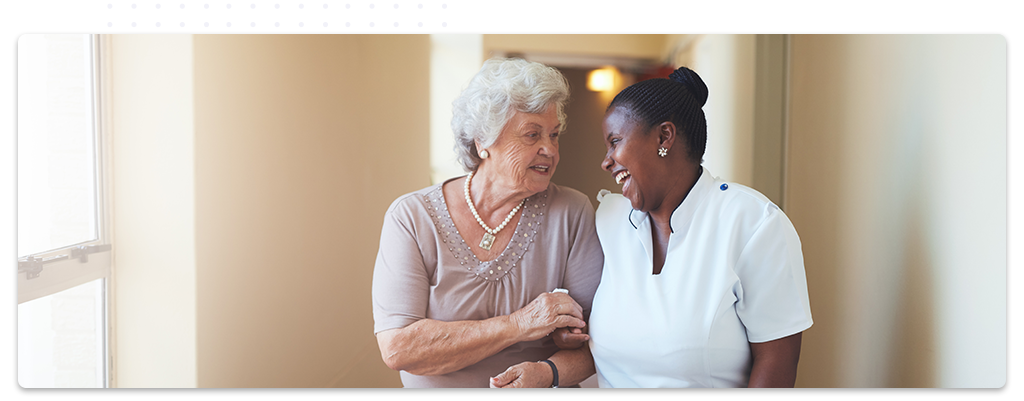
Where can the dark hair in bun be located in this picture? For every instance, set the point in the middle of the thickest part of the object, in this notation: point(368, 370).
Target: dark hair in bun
point(677, 99)
point(693, 82)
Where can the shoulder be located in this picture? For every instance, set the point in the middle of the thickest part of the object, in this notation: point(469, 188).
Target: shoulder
point(412, 203)
point(613, 209)
point(611, 203)
point(745, 209)
point(740, 200)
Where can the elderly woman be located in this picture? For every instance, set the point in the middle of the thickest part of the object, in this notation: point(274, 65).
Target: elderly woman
point(464, 287)
point(703, 283)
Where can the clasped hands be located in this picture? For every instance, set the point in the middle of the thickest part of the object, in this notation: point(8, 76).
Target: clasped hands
point(555, 314)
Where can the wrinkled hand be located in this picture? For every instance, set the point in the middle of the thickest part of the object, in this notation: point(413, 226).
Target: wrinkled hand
point(546, 313)
point(569, 337)
point(524, 375)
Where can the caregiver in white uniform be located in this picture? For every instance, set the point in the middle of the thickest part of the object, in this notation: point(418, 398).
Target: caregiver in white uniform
point(703, 282)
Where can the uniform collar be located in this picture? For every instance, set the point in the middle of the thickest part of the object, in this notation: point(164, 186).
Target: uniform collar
point(682, 215)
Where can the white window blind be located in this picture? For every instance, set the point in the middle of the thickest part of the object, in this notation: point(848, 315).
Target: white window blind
point(62, 235)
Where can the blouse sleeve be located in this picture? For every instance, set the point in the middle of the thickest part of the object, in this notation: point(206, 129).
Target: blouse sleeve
point(772, 299)
point(401, 284)
point(586, 259)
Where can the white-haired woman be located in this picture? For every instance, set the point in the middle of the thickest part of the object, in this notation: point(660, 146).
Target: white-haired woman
point(465, 278)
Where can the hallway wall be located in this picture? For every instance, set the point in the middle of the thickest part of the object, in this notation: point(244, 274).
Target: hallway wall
point(897, 185)
point(251, 182)
point(302, 142)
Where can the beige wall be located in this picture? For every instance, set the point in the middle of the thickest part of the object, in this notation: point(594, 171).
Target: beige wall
point(302, 142)
point(454, 60)
point(251, 178)
point(896, 184)
point(153, 189)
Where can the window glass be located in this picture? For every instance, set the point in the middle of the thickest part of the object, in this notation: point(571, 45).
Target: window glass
point(56, 146)
point(61, 339)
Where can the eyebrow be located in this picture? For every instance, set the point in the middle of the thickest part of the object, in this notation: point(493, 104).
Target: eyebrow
point(530, 125)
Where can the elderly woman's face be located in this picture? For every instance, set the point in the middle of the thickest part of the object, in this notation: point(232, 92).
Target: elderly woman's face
point(526, 152)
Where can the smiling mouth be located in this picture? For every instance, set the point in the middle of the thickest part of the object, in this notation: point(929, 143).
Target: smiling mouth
point(621, 176)
point(540, 168)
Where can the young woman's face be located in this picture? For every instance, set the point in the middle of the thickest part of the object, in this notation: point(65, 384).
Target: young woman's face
point(631, 159)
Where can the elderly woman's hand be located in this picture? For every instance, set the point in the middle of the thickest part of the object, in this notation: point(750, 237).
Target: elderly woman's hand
point(524, 375)
point(569, 337)
point(546, 313)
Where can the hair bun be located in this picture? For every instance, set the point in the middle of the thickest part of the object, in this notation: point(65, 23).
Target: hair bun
point(693, 82)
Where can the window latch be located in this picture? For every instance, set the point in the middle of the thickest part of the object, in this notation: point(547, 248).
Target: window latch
point(32, 265)
point(82, 252)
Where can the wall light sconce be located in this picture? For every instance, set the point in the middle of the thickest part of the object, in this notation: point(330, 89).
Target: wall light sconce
point(603, 79)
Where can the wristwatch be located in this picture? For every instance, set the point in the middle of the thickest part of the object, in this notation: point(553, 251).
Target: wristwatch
point(554, 373)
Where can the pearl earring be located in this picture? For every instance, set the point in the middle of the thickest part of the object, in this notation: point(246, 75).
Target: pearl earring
point(662, 151)
point(484, 154)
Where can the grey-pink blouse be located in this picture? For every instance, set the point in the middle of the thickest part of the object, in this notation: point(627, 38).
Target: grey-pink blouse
point(426, 270)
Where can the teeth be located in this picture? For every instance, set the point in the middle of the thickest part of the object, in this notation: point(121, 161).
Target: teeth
point(621, 176)
point(540, 168)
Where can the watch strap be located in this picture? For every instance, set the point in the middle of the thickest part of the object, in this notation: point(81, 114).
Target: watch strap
point(554, 373)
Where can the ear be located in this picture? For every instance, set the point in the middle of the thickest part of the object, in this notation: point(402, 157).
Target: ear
point(667, 134)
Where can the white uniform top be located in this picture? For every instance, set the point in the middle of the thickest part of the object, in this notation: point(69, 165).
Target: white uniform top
point(733, 275)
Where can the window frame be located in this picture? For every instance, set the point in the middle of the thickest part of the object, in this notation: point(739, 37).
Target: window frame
point(62, 268)
point(68, 266)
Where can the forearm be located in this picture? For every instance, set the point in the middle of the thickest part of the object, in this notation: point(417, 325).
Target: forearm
point(432, 347)
point(574, 366)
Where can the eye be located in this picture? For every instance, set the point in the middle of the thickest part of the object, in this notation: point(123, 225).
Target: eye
point(555, 135)
point(614, 141)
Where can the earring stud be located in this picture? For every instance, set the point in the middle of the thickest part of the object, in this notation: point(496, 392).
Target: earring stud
point(662, 151)
point(484, 154)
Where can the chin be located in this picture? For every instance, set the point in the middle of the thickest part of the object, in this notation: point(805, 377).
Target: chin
point(539, 185)
point(636, 203)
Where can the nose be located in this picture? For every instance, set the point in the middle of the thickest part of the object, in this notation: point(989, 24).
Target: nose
point(548, 147)
point(607, 163)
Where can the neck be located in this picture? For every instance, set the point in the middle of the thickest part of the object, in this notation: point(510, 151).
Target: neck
point(492, 199)
point(680, 186)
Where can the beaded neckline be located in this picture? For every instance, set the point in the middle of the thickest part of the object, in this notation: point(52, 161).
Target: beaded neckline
point(496, 269)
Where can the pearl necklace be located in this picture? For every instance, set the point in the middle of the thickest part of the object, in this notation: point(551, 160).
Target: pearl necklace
point(489, 233)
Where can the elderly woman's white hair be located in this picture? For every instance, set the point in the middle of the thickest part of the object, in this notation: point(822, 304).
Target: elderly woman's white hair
point(500, 88)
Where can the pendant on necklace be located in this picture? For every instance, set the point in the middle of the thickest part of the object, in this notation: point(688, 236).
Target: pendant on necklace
point(487, 241)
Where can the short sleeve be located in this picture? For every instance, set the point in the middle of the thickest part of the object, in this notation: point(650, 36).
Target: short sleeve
point(401, 285)
point(585, 260)
point(772, 300)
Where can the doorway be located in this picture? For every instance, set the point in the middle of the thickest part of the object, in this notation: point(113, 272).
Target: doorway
point(581, 147)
